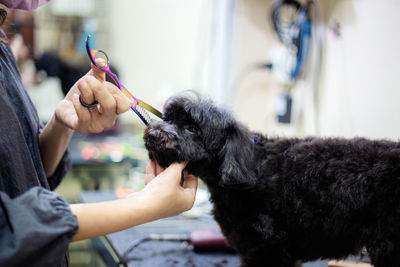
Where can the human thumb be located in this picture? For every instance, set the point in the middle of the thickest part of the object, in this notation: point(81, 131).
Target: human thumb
point(96, 71)
point(150, 172)
point(174, 171)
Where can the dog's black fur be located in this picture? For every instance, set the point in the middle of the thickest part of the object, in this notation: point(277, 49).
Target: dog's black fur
point(281, 201)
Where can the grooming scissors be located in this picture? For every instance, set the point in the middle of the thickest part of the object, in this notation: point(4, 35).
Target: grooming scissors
point(137, 105)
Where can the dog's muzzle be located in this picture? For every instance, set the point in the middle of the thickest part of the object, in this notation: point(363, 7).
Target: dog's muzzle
point(160, 136)
point(162, 142)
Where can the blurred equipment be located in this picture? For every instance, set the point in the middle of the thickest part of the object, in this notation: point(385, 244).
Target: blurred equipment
point(298, 57)
point(209, 240)
point(284, 108)
point(295, 24)
point(292, 24)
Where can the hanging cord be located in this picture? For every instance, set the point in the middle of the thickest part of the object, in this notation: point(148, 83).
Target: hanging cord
point(291, 22)
point(300, 30)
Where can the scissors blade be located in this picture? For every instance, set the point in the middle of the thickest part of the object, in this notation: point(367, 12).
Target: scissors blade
point(150, 108)
point(143, 104)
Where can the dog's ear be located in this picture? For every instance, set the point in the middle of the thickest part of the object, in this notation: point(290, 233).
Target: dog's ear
point(237, 159)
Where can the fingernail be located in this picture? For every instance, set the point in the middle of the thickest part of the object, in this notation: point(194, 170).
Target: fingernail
point(101, 62)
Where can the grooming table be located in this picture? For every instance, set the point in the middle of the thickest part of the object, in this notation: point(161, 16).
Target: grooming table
point(157, 253)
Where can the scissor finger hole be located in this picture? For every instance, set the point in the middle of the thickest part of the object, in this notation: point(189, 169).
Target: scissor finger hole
point(99, 54)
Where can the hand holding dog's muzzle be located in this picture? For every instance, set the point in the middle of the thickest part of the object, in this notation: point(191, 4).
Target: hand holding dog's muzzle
point(167, 195)
point(152, 170)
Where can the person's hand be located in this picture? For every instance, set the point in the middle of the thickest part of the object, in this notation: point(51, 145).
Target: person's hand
point(152, 170)
point(166, 191)
point(92, 87)
point(163, 196)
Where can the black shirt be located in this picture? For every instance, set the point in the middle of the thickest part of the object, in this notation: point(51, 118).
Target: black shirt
point(36, 225)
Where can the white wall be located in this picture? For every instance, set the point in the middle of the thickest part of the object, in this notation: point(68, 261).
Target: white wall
point(360, 82)
point(159, 47)
point(361, 85)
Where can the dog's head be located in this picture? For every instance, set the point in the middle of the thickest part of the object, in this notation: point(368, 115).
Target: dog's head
point(215, 145)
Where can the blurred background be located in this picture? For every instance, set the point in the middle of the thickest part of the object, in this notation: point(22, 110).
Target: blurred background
point(284, 68)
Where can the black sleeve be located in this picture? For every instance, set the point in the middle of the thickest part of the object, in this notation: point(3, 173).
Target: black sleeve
point(35, 228)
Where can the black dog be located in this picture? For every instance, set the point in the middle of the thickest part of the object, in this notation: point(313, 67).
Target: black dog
point(284, 201)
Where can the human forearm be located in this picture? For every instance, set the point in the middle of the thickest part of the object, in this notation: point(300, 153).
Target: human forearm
point(162, 197)
point(96, 219)
point(53, 141)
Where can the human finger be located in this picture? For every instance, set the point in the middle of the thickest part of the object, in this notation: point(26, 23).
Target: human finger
point(86, 94)
point(150, 172)
point(82, 114)
point(189, 181)
point(96, 71)
point(159, 169)
point(86, 120)
point(122, 101)
point(101, 95)
point(174, 171)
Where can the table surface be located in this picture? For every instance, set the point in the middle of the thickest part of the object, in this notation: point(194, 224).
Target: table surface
point(159, 253)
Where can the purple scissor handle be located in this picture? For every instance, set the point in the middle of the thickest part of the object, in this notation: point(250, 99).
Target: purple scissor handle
point(137, 105)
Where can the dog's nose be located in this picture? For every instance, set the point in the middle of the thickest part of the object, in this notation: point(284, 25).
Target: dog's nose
point(160, 138)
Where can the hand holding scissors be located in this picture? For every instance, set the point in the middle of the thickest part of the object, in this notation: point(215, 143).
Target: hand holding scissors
point(91, 87)
point(137, 105)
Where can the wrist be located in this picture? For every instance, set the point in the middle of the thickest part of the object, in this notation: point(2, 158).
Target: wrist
point(59, 125)
point(150, 208)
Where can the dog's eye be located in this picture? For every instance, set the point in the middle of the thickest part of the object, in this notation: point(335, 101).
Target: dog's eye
point(191, 129)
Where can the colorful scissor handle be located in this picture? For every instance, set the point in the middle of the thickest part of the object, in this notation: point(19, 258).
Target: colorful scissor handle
point(137, 105)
